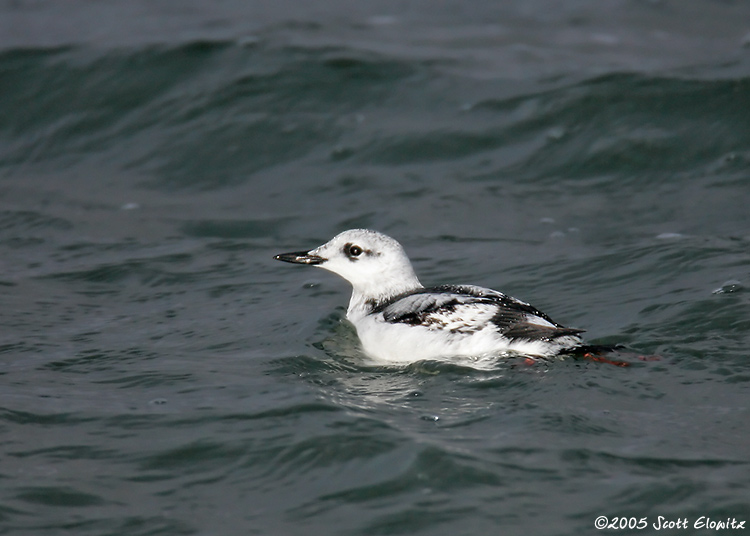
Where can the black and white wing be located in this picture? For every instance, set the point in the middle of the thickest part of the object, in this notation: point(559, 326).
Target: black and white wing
point(467, 308)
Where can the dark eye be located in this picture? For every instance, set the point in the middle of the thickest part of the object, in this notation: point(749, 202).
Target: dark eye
point(353, 250)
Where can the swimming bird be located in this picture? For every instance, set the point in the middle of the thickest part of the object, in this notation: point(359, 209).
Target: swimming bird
point(397, 319)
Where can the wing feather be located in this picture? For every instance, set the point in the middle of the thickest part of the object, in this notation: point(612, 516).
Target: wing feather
point(458, 307)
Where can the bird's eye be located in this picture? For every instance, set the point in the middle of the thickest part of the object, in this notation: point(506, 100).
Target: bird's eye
point(353, 250)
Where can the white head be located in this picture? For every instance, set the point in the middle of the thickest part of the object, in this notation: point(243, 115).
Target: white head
point(375, 264)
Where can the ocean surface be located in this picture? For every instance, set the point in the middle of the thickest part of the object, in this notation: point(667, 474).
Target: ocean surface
point(161, 374)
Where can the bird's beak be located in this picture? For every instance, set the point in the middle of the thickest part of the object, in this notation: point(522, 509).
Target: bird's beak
point(300, 257)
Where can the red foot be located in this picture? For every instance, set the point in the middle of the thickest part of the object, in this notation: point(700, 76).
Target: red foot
point(600, 359)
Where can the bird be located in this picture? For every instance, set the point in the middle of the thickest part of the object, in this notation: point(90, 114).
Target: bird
point(399, 320)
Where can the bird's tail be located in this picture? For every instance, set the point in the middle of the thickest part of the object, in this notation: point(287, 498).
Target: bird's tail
point(595, 349)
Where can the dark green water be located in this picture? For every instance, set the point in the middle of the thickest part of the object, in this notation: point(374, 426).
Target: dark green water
point(162, 375)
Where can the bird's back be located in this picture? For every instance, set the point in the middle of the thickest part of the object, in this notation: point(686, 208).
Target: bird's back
point(465, 320)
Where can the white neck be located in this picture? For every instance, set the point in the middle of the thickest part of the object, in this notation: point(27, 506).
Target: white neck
point(366, 295)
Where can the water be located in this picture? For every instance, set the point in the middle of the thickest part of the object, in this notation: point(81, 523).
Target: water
point(163, 375)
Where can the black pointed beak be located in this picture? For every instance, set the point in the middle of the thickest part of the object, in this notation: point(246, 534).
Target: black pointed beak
point(300, 257)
